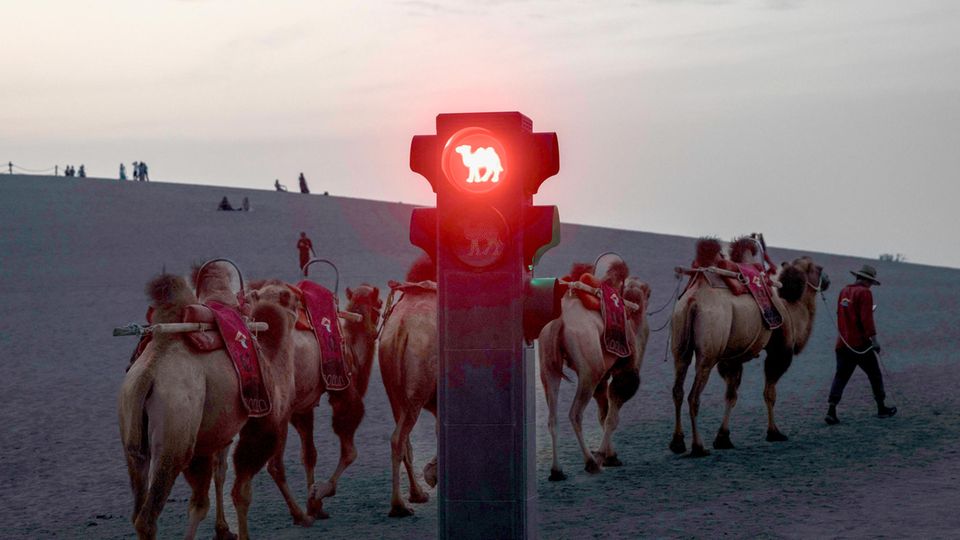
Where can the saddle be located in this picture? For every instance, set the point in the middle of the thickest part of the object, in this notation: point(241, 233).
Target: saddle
point(232, 334)
point(320, 306)
point(612, 310)
point(751, 278)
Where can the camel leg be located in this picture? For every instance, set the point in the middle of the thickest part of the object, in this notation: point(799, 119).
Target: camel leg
point(417, 494)
point(603, 404)
point(198, 474)
point(256, 446)
point(279, 474)
point(138, 466)
point(162, 478)
point(732, 373)
point(222, 529)
point(704, 367)
point(580, 401)
point(430, 469)
point(623, 386)
point(774, 366)
point(398, 446)
point(303, 423)
point(551, 390)
point(347, 413)
point(680, 366)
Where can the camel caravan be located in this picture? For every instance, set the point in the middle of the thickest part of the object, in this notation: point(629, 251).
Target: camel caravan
point(222, 362)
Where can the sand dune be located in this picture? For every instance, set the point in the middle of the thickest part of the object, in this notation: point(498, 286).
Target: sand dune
point(76, 253)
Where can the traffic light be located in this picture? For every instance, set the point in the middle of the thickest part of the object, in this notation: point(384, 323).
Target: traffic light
point(485, 235)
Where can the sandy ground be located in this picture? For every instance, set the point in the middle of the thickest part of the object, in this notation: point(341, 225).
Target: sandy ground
point(75, 255)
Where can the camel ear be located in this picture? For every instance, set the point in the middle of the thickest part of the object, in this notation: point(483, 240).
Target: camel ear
point(784, 264)
point(285, 298)
point(349, 294)
point(376, 292)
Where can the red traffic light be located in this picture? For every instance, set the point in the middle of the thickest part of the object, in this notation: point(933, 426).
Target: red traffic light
point(474, 160)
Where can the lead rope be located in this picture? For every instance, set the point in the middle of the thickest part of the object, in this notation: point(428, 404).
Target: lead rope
point(673, 302)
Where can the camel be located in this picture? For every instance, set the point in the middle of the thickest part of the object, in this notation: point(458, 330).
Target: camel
point(409, 365)
point(725, 331)
point(179, 409)
point(575, 340)
point(347, 404)
point(482, 158)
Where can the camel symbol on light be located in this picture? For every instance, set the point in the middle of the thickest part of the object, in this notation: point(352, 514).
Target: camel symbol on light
point(485, 158)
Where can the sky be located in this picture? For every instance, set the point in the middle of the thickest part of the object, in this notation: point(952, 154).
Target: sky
point(828, 126)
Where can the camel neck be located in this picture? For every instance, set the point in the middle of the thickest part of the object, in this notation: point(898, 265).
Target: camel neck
point(361, 346)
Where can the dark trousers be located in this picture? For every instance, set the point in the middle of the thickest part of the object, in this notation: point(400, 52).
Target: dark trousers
point(847, 362)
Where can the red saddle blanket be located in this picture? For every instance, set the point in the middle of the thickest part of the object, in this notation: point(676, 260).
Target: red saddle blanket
point(321, 307)
point(759, 287)
point(242, 349)
point(614, 314)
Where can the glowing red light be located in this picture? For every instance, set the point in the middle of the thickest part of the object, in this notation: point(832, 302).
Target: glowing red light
point(474, 160)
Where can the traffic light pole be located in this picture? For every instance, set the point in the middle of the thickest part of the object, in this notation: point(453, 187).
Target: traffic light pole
point(485, 235)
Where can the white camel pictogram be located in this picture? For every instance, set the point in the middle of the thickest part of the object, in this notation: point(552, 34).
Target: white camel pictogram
point(482, 158)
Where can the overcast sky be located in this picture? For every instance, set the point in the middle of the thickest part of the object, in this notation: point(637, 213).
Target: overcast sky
point(830, 125)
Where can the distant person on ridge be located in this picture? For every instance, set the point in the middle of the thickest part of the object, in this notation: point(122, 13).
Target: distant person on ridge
point(225, 204)
point(135, 167)
point(123, 171)
point(278, 186)
point(83, 172)
point(305, 246)
point(303, 184)
point(144, 174)
point(246, 204)
point(857, 344)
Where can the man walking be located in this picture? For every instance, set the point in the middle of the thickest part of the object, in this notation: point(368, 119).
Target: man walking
point(303, 184)
point(305, 246)
point(857, 343)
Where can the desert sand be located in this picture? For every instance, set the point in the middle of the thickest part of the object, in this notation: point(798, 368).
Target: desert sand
point(75, 255)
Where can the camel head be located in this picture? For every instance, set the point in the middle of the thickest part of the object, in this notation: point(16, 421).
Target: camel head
point(800, 276)
point(274, 291)
point(463, 149)
point(638, 292)
point(365, 300)
point(361, 336)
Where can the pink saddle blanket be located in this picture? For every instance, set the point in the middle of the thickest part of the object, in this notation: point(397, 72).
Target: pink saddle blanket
point(759, 287)
point(321, 306)
point(242, 349)
point(614, 313)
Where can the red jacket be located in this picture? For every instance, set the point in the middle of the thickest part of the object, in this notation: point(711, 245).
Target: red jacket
point(855, 316)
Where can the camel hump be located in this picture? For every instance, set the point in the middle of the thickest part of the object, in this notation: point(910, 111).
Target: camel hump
point(708, 252)
point(168, 295)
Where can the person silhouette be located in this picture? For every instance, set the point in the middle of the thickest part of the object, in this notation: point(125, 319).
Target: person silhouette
point(305, 247)
point(123, 171)
point(225, 204)
point(303, 184)
point(278, 186)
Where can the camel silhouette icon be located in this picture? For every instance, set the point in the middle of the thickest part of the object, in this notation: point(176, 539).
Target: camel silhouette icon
point(485, 158)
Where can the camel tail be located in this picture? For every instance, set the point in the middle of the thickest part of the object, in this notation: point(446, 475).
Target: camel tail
point(551, 353)
point(681, 330)
point(133, 417)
